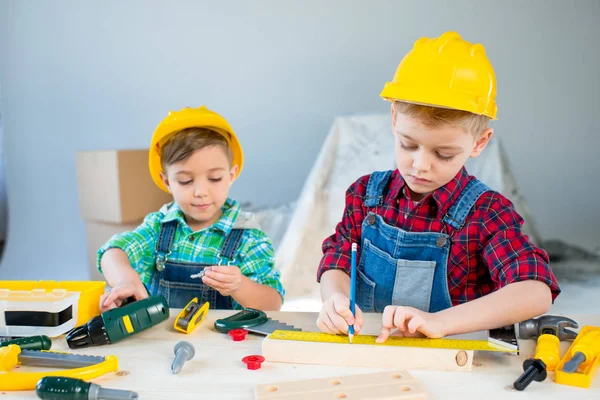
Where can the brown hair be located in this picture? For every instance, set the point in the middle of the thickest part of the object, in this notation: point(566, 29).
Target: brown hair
point(436, 117)
point(184, 143)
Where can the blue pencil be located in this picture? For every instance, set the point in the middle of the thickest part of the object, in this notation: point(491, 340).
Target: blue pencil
point(352, 291)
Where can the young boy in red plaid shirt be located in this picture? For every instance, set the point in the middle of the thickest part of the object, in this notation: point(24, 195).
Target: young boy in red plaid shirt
point(440, 253)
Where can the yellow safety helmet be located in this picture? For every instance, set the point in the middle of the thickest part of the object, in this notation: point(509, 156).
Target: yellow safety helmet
point(189, 118)
point(446, 72)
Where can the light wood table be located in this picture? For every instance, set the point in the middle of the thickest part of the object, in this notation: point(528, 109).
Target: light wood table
point(217, 372)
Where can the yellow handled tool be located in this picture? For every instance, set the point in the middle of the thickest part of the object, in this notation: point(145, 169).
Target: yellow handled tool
point(82, 366)
point(191, 316)
point(581, 361)
point(584, 350)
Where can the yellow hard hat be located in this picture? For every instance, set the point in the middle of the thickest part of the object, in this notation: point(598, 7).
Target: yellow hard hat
point(188, 117)
point(446, 72)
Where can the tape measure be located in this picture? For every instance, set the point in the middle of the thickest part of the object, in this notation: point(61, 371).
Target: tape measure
point(454, 344)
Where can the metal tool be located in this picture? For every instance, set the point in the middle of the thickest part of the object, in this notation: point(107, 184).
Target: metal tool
point(199, 275)
point(116, 324)
point(81, 366)
point(455, 344)
point(551, 324)
point(40, 342)
point(191, 316)
point(252, 320)
point(549, 331)
point(581, 374)
point(184, 351)
point(62, 388)
point(587, 348)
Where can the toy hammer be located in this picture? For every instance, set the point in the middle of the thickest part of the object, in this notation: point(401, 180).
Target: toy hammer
point(552, 324)
point(549, 331)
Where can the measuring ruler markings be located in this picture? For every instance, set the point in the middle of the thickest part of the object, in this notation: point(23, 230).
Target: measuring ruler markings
point(455, 344)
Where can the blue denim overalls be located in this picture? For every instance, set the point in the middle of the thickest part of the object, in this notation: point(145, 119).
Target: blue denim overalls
point(407, 268)
point(172, 279)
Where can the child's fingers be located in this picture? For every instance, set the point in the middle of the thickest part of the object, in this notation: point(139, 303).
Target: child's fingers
point(341, 306)
point(400, 318)
point(340, 323)
point(333, 325)
point(385, 333)
point(359, 320)
point(116, 294)
point(214, 283)
point(323, 325)
point(387, 319)
point(225, 269)
point(415, 322)
point(220, 276)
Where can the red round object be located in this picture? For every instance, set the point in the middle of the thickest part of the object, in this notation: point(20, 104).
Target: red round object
point(253, 362)
point(238, 334)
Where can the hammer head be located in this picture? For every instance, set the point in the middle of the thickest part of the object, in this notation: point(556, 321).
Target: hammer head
point(552, 324)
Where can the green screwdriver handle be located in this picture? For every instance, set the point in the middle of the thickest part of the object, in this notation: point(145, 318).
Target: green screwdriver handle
point(61, 388)
point(41, 342)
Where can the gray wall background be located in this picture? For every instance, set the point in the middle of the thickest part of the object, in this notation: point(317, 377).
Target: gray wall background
point(3, 200)
point(95, 75)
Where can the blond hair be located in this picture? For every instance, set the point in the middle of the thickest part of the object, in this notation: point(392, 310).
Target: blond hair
point(435, 117)
point(184, 143)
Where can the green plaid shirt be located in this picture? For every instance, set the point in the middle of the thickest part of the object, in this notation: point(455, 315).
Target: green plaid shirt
point(255, 255)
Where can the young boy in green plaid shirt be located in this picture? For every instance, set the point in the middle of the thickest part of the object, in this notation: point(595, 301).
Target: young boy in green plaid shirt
point(201, 245)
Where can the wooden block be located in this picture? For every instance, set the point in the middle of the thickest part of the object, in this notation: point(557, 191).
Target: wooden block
point(376, 356)
point(392, 385)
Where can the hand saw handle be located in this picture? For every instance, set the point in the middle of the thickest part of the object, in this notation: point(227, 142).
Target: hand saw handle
point(244, 319)
point(9, 357)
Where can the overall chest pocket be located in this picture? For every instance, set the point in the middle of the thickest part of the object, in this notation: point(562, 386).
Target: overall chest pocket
point(384, 280)
point(178, 288)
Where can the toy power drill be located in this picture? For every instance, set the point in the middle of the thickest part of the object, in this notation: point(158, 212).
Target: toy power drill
point(119, 323)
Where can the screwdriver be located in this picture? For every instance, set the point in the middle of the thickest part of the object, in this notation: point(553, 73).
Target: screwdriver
point(41, 342)
point(587, 348)
point(61, 388)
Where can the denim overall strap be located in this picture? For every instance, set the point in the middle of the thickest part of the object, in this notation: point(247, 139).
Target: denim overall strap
point(175, 280)
point(231, 244)
point(376, 188)
point(457, 213)
point(164, 242)
point(405, 268)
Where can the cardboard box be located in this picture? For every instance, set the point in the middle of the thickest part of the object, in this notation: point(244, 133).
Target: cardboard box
point(97, 234)
point(115, 186)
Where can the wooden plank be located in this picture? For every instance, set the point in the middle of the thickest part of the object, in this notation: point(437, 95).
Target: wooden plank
point(391, 385)
point(396, 357)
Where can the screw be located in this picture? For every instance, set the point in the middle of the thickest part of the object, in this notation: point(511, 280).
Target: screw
point(534, 370)
point(184, 351)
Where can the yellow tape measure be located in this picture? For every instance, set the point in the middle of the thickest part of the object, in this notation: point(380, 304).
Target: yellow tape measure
point(455, 344)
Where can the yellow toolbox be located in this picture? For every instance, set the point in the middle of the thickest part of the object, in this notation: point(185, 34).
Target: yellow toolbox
point(89, 292)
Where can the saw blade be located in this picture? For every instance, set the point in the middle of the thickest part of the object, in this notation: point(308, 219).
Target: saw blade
point(271, 326)
point(53, 359)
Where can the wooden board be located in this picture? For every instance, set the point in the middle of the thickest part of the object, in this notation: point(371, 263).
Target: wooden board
point(392, 385)
point(396, 357)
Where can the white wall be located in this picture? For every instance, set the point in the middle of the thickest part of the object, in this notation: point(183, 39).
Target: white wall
point(3, 202)
point(87, 75)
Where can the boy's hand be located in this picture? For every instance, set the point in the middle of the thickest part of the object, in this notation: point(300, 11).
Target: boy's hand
point(335, 316)
point(410, 322)
point(122, 291)
point(226, 279)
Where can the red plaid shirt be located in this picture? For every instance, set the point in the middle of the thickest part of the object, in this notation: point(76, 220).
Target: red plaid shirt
point(489, 252)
